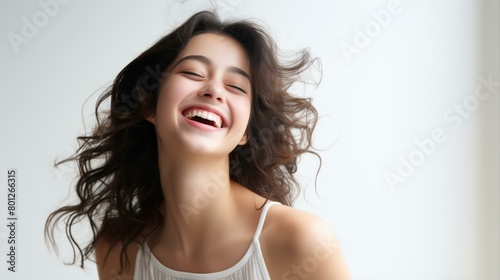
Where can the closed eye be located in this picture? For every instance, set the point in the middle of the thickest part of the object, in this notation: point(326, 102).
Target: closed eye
point(238, 88)
point(192, 74)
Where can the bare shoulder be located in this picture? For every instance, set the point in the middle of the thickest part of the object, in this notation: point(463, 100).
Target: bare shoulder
point(297, 245)
point(107, 256)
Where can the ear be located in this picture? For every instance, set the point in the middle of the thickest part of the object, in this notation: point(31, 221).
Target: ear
point(151, 119)
point(243, 140)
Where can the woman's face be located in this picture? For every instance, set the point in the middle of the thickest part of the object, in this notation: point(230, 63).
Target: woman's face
point(205, 99)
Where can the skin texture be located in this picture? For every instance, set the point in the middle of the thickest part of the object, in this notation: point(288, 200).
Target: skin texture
point(212, 73)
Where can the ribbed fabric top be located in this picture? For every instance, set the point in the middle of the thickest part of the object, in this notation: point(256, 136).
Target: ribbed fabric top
point(251, 266)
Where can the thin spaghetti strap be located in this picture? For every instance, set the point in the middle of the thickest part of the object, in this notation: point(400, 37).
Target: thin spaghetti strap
point(262, 219)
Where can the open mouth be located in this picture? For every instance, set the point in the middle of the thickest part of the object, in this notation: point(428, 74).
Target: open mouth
point(204, 117)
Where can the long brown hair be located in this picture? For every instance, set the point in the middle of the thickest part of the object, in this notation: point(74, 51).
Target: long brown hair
point(119, 188)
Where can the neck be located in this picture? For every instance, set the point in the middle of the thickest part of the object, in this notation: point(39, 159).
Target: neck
point(199, 200)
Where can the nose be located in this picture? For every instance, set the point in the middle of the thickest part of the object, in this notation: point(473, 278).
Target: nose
point(212, 92)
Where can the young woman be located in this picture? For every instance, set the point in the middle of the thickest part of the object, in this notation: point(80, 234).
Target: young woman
point(190, 174)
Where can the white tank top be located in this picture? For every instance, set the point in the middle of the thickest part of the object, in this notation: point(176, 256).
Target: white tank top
point(251, 266)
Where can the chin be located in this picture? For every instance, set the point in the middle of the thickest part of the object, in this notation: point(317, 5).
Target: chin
point(204, 149)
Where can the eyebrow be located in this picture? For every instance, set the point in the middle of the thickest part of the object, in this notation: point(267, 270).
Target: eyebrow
point(205, 60)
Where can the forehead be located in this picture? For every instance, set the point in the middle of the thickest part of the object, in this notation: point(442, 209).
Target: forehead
point(221, 50)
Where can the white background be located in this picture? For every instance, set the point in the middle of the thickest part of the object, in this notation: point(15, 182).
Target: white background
point(441, 223)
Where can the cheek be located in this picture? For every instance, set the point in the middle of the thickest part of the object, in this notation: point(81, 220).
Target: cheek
point(171, 94)
point(242, 108)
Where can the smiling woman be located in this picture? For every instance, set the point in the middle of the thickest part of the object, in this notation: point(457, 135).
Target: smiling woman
point(188, 187)
point(208, 80)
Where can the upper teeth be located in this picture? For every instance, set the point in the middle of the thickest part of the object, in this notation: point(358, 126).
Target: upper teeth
point(205, 115)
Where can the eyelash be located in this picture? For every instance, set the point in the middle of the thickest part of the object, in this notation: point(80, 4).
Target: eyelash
point(238, 88)
point(192, 73)
point(200, 76)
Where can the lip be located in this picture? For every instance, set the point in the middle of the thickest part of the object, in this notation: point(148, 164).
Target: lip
point(208, 109)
